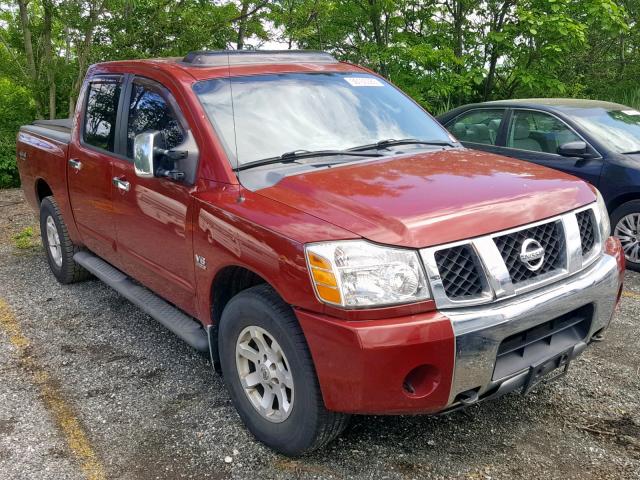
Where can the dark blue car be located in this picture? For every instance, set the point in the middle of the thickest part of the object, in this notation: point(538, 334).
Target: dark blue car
point(596, 141)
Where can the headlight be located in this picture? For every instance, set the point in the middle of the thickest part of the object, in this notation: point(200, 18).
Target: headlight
point(605, 223)
point(357, 273)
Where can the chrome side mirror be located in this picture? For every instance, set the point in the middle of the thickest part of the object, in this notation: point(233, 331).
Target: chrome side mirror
point(143, 154)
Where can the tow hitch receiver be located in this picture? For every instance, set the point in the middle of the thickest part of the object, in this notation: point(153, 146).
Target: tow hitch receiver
point(539, 372)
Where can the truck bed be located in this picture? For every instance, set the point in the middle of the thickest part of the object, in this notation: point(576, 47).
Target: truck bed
point(58, 130)
point(42, 150)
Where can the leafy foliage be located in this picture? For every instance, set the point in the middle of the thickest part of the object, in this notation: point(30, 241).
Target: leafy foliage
point(16, 108)
point(441, 52)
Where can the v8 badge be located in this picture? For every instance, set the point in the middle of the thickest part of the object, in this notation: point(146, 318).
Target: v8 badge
point(201, 262)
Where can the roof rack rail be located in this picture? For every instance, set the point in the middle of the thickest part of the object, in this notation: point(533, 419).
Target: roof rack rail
point(217, 58)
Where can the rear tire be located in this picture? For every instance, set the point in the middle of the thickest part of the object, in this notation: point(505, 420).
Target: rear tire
point(625, 224)
point(57, 245)
point(259, 313)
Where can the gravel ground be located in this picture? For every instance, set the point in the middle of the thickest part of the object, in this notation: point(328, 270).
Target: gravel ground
point(102, 382)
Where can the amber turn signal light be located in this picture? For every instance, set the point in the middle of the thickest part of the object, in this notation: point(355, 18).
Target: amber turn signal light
point(324, 280)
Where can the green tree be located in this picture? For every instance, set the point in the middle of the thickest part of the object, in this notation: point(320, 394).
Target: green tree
point(17, 108)
point(442, 52)
point(46, 47)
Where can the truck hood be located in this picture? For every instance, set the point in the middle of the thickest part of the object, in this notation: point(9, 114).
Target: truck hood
point(433, 197)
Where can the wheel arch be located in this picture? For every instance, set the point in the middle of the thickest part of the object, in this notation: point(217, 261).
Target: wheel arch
point(620, 200)
point(226, 284)
point(42, 189)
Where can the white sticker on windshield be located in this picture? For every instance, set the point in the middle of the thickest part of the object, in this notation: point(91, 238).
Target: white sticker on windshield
point(364, 82)
point(631, 112)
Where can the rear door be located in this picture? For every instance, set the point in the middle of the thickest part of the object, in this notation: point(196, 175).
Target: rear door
point(90, 163)
point(479, 128)
point(153, 214)
point(535, 136)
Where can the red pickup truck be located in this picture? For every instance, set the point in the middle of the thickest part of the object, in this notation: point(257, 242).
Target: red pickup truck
point(330, 246)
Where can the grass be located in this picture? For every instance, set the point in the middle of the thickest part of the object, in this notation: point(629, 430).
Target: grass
point(629, 97)
point(443, 106)
point(25, 239)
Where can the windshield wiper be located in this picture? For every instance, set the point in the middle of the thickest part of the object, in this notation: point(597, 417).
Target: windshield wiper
point(634, 152)
point(290, 157)
point(404, 141)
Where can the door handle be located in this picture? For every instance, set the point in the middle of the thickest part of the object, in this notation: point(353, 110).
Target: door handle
point(77, 164)
point(122, 185)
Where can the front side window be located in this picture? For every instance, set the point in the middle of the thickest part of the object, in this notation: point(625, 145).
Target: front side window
point(100, 116)
point(538, 132)
point(150, 110)
point(276, 114)
point(478, 126)
point(618, 129)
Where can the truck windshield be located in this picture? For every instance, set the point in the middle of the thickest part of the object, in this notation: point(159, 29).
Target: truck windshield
point(618, 129)
point(275, 114)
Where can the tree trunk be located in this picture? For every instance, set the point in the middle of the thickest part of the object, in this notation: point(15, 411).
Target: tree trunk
point(375, 16)
point(245, 14)
point(458, 11)
point(48, 56)
point(84, 49)
point(498, 26)
point(289, 19)
point(242, 24)
point(621, 57)
point(458, 21)
point(28, 49)
point(458, 47)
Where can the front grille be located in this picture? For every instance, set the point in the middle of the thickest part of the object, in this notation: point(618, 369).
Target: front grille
point(586, 222)
point(475, 272)
point(524, 349)
point(550, 236)
point(459, 272)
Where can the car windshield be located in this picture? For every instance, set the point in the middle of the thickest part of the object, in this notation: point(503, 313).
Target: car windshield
point(618, 129)
point(271, 115)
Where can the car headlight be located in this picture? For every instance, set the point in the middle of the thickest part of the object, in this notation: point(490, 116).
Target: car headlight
point(356, 273)
point(605, 223)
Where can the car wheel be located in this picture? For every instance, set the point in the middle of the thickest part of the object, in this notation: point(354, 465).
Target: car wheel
point(57, 244)
point(270, 376)
point(625, 221)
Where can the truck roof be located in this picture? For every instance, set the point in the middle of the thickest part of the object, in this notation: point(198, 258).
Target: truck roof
point(226, 58)
point(217, 63)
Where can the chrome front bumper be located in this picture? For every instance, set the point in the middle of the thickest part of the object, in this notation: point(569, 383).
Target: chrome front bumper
point(480, 330)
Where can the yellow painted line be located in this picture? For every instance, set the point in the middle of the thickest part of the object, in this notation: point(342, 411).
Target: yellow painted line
point(53, 399)
point(629, 294)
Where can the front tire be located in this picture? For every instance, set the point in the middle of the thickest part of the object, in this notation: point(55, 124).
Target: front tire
point(270, 376)
point(625, 221)
point(57, 245)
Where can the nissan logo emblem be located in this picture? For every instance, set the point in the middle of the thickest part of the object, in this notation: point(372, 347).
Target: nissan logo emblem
point(532, 254)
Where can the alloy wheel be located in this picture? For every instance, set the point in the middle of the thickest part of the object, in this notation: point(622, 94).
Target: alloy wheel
point(53, 240)
point(265, 374)
point(628, 231)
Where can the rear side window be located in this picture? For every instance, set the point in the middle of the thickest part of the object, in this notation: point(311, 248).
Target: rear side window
point(100, 114)
point(477, 126)
point(151, 109)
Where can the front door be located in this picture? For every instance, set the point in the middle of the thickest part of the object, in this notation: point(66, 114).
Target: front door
point(153, 214)
point(90, 164)
point(535, 136)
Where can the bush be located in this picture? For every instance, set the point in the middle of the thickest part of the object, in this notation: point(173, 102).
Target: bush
point(629, 97)
point(16, 108)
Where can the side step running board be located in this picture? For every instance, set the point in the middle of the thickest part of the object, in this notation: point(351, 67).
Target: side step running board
point(182, 325)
